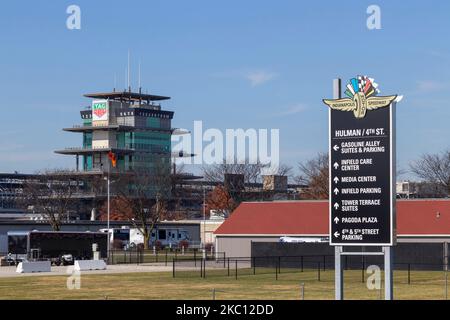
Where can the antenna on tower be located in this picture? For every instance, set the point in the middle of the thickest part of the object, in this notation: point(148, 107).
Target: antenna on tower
point(129, 87)
point(139, 77)
point(115, 83)
point(139, 81)
point(126, 72)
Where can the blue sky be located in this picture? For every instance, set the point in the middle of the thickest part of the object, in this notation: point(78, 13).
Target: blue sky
point(232, 64)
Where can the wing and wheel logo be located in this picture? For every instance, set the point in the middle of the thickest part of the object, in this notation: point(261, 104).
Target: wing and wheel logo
point(362, 96)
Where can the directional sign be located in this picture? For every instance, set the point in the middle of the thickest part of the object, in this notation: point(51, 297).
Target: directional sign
point(362, 171)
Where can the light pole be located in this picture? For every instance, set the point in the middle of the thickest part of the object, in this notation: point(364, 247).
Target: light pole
point(108, 182)
point(204, 217)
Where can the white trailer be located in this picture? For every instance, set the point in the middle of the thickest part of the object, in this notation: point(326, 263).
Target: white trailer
point(118, 237)
point(132, 237)
point(165, 236)
point(303, 239)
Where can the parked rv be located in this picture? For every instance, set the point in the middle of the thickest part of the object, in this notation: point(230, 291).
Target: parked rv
point(169, 236)
point(125, 238)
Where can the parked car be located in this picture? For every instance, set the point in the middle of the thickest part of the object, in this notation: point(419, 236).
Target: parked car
point(64, 260)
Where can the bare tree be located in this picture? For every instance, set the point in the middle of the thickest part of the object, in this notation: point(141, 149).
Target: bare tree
point(401, 172)
point(433, 168)
point(314, 174)
point(285, 170)
point(51, 194)
point(216, 172)
point(95, 187)
point(281, 170)
point(141, 198)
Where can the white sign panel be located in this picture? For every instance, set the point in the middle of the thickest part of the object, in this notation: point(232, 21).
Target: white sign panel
point(100, 110)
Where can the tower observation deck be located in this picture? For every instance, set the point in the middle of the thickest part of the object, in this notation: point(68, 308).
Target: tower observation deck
point(131, 125)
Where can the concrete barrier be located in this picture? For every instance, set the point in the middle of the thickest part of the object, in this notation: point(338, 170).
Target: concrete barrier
point(83, 265)
point(34, 266)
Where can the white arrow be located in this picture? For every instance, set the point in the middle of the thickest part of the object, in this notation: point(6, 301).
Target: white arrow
point(336, 220)
point(337, 234)
point(336, 147)
point(336, 205)
point(336, 191)
point(336, 165)
point(336, 179)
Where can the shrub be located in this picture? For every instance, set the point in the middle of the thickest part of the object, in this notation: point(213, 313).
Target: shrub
point(158, 245)
point(184, 244)
point(117, 244)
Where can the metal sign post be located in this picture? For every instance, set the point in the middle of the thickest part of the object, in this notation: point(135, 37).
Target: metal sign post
point(362, 174)
point(338, 270)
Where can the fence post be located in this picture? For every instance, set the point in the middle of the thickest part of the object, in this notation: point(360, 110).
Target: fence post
point(302, 263)
point(254, 265)
point(318, 271)
point(173, 269)
point(195, 258)
point(276, 269)
point(324, 263)
point(224, 254)
point(204, 268)
point(363, 267)
point(235, 261)
point(446, 283)
point(175, 253)
point(409, 273)
point(166, 257)
point(279, 264)
point(201, 269)
point(228, 266)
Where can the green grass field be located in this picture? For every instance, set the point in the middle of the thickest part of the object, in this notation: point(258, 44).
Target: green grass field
point(189, 285)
